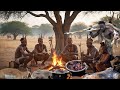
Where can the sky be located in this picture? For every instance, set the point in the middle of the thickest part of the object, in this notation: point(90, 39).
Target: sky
point(87, 19)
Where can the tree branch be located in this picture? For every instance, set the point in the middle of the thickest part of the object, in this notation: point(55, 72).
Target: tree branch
point(58, 17)
point(67, 15)
point(73, 16)
point(43, 15)
point(36, 15)
point(50, 19)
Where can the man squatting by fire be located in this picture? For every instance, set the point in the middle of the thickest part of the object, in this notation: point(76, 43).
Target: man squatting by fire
point(70, 51)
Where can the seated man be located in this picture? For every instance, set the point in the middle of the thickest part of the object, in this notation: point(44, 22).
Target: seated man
point(92, 53)
point(70, 51)
point(103, 59)
point(40, 52)
point(22, 57)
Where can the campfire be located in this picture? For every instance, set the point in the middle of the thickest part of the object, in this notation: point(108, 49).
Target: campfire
point(57, 62)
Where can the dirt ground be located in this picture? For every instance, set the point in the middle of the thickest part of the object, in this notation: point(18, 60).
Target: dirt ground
point(8, 47)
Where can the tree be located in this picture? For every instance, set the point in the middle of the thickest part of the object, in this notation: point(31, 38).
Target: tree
point(59, 27)
point(35, 30)
point(78, 27)
point(15, 28)
point(45, 29)
point(114, 21)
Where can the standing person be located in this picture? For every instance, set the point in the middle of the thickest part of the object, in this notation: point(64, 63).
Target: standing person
point(22, 54)
point(70, 51)
point(40, 52)
point(106, 31)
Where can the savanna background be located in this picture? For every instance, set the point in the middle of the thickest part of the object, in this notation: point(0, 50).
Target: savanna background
point(35, 26)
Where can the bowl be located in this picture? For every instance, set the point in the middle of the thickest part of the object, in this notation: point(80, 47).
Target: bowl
point(79, 72)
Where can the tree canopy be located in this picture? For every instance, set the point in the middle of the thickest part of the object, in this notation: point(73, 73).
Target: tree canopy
point(78, 26)
point(15, 28)
point(115, 21)
point(46, 29)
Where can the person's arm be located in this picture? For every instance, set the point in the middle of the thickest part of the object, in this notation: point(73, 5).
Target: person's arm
point(35, 50)
point(94, 51)
point(27, 50)
point(76, 50)
point(45, 49)
point(94, 35)
point(98, 57)
point(106, 59)
point(22, 51)
point(87, 54)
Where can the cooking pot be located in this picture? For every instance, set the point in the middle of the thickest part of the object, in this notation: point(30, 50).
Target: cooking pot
point(80, 72)
point(64, 74)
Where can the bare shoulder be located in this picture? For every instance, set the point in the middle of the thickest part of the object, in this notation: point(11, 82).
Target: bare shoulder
point(19, 47)
point(36, 45)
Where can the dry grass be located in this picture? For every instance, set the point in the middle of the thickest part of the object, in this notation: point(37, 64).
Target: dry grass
point(8, 47)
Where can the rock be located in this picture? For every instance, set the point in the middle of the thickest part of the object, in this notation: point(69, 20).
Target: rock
point(11, 73)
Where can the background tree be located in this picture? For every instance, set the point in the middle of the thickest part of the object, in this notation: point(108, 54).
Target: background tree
point(46, 29)
point(114, 21)
point(35, 30)
point(78, 27)
point(15, 28)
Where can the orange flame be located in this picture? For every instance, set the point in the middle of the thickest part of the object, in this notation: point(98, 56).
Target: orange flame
point(56, 60)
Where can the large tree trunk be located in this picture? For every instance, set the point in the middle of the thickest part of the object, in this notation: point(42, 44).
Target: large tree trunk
point(14, 37)
point(65, 29)
point(59, 38)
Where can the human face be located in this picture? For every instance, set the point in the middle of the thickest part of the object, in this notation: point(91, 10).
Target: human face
point(24, 42)
point(89, 44)
point(40, 41)
point(102, 27)
point(69, 41)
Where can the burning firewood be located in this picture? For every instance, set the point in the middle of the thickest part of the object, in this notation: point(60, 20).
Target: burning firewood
point(57, 63)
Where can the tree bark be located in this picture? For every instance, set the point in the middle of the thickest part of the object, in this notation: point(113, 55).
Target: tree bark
point(59, 38)
point(65, 28)
point(14, 36)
